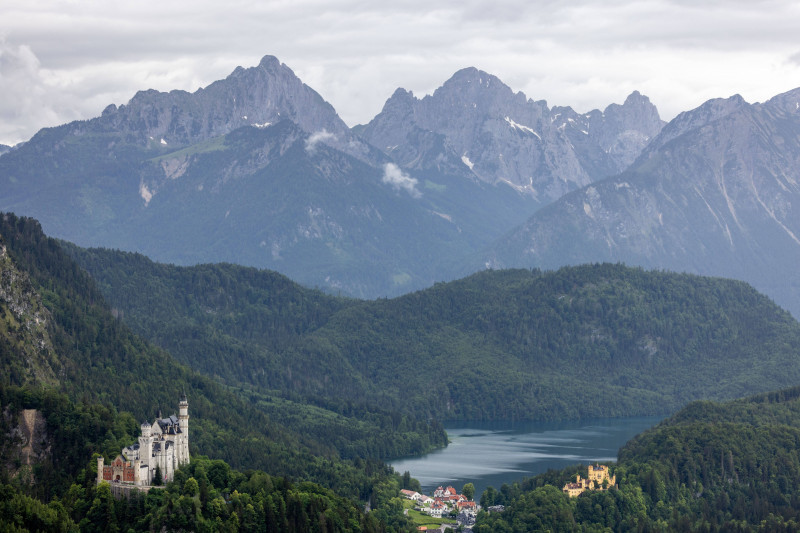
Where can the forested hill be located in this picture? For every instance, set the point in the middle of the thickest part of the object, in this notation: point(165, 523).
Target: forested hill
point(711, 467)
point(596, 340)
point(58, 337)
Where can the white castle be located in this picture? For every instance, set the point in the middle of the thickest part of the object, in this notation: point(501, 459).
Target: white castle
point(164, 444)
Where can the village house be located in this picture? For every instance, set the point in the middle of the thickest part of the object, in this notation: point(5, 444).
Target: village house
point(466, 506)
point(411, 495)
point(442, 492)
point(599, 478)
point(436, 510)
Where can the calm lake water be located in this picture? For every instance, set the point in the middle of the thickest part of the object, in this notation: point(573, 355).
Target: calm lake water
point(493, 453)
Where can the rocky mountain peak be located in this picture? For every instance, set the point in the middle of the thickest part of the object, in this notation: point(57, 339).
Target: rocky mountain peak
point(788, 102)
point(475, 89)
point(636, 98)
point(708, 112)
point(473, 77)
point(500, 136)
point(256, 96)
point(623, 131)
point(270, 63)
point(401, 101)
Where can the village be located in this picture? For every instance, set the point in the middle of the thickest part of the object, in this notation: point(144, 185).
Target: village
point(446, 502)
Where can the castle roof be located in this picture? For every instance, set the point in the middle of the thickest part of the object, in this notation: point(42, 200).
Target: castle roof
point(169, 425)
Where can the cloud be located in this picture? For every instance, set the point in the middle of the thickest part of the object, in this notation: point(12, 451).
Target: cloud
point(400, 180)
point(316, 137)
point(23, 88)
point(78, 57)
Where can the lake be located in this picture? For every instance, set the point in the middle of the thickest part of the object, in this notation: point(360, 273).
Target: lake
point(493, 453)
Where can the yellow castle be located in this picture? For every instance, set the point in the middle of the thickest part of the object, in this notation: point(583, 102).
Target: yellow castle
point(599, 479)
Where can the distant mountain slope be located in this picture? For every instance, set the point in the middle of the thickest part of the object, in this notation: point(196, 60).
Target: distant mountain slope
point(476, 125)
point(258, 170)
point(599, 340)
point(712, 194)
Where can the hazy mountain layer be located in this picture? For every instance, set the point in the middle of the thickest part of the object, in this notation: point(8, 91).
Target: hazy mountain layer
point(255, 169)
point(714, 193)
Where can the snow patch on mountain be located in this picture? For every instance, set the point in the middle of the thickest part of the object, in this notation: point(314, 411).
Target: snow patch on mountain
point(522, 128)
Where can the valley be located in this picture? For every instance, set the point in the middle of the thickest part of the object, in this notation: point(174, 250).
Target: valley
point(331, 299)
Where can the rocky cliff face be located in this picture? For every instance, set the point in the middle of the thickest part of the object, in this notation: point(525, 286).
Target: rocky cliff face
point(476, 125)
point(258, 96)
point(716, 194)
point(621, 132)
point(27, 443)
point(24, 327)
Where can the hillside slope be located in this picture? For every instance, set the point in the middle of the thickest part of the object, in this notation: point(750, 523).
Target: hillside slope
point(90, 356)
point(600, 340)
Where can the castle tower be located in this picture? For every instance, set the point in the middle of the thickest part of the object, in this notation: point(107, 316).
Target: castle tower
point(183, 420)
point(146, 451)
point(100, 461)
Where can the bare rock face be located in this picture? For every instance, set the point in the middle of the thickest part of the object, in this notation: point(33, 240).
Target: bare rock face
point(475, 124)
point(258, 96)
point(28, 443)
point(24, 323)
point(715, 193)
point(623, 131)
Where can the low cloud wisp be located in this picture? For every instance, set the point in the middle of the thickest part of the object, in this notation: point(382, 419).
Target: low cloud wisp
point(400, 180)
point(317, 137)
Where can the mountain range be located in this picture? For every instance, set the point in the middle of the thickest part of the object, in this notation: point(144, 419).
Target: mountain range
point(257, 169)
point(713, 193)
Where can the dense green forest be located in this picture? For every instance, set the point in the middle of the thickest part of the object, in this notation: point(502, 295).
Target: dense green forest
point(589, 341)
point(205, 495)
point(61, 346)
point(731, 466)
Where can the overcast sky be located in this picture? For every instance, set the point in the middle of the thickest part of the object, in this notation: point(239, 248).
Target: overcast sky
point(67, 60)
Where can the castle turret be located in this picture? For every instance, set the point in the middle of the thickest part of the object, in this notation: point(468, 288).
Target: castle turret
point(100, 464)
point(146, 451)
point(183, 441)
